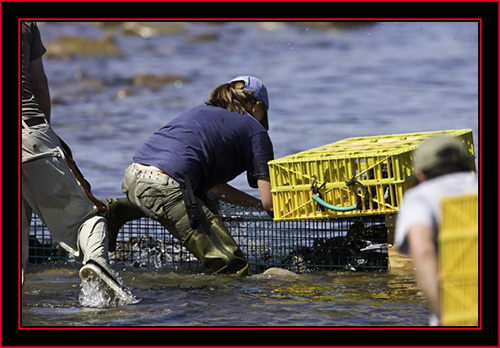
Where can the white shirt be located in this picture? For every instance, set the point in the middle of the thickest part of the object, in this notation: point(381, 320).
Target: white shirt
point(422, 204)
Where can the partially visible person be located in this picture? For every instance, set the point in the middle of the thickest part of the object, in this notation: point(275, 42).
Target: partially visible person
point(175, 174)
point(52, 185)
point(442, 167)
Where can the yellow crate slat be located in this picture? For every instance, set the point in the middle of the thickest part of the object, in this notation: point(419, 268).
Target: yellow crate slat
point(373, 144)
point(382, 164)
point(459, 260)
point(460, 298)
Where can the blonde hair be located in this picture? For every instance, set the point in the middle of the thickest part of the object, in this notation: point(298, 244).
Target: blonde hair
point(233, 97)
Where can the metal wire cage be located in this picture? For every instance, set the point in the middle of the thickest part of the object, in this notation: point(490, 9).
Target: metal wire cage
point(355, 243)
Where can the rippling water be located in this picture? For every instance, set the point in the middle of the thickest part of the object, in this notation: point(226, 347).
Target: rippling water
point(175, 299)
point(324, 85)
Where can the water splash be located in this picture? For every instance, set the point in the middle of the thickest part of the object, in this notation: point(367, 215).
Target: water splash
point(95, 294)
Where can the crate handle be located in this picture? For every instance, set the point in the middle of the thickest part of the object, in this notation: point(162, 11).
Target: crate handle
point(332, 207)
point(317, 199)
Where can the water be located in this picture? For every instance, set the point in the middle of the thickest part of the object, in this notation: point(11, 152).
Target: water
point(177, 299)
point(324, 85)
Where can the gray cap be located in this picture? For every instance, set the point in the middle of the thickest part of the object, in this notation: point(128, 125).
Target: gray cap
point(435, 151)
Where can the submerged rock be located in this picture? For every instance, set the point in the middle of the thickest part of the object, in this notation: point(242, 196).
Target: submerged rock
point(335, 25)
point(151, 80)
point(207, 37)
point(316, 25)
point(147, 30)
point(72, 46)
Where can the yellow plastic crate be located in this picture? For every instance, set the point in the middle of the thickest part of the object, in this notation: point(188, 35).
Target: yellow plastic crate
point(458, 260)
point(380, 168)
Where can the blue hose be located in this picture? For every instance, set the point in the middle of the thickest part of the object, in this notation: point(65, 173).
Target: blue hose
point(332, 207)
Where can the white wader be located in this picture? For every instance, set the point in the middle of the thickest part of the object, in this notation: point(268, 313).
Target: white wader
point(50, 188)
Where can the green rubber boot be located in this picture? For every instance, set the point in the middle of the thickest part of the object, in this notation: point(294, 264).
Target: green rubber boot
point(118, 212)
point(212, 244)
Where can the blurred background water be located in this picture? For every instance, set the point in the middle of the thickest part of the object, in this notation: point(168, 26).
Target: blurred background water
point(326, 82)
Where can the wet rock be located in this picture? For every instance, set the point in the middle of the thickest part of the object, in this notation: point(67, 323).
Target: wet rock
point(335, 25)
point(271, 26)
point(275, 272)
point(147, 30)
point(154, 81)
point(108, 25)
point(326, 26)
point(207, 37)
point(72, 46)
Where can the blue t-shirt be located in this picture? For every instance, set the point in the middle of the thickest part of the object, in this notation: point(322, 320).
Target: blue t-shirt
point(211, 145)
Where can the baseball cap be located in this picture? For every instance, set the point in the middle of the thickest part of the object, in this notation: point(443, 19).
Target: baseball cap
point(438, 150)
point(256, 86)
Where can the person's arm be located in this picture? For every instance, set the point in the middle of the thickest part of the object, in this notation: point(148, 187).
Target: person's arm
point(424, 255)
point(40, 86)
point(232, 195)
point(265, 195)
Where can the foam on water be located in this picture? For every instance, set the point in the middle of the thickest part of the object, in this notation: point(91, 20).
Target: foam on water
point(92, 294)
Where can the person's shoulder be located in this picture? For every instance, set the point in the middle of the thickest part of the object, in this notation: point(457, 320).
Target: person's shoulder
point(465, 177)
point(442, 185)
point(455, 181)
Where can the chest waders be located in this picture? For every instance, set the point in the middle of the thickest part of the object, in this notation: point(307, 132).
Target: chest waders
point(209, 240)
point(153, 193)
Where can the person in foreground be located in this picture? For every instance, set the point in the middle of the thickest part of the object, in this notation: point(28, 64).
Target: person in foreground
point(53, 186)
point(442, 167)
point(175, 172)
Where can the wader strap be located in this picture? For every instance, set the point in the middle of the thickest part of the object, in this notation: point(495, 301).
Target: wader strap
point(192, 208)
point(81, 179)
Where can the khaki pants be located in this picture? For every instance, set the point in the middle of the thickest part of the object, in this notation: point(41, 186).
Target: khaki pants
point(160, 197)
point(50, 188)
